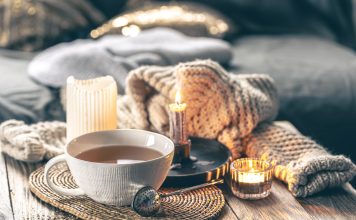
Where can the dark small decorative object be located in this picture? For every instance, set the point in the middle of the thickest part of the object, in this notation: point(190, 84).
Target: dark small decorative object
point(147, 201)
point(191, 19)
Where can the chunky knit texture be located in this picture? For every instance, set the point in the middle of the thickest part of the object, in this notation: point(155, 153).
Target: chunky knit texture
point(303, 164)
point(221, 106)
point(238, 111)
point(32, 143)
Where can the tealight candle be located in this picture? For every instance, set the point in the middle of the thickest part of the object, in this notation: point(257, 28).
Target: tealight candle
point(251, 178)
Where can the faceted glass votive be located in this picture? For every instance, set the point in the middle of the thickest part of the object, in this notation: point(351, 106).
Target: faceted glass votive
point(251, 178)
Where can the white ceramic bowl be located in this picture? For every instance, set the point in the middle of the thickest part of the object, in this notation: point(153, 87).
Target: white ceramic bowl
point(114, 184)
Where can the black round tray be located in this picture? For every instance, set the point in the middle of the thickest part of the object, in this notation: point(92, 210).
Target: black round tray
point(213, 163)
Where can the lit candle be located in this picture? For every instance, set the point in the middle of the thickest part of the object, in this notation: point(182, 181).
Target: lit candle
point(178, 131)
point(251, 175)
point(251, 178)
point(177, 120)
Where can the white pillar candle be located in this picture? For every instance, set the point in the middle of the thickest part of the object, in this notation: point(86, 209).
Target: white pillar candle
point(91, 105)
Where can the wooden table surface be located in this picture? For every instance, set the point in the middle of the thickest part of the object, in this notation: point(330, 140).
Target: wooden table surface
point(17, 201)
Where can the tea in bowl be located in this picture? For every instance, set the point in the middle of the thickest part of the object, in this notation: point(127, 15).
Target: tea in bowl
point(111, 166)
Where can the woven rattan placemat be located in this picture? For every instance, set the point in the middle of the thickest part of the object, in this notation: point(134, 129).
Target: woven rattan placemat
point(204, 203)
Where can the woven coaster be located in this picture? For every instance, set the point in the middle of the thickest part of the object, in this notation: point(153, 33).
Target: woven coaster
point(205, 203)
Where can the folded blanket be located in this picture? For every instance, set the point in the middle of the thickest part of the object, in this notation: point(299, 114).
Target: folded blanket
point(32, 143)
point(237, 110)
point(116, 55)
point(304, 165)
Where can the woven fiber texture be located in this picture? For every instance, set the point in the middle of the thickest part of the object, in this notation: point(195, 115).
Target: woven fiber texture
point(32, 143)
point(237, 110)
point(205, 203)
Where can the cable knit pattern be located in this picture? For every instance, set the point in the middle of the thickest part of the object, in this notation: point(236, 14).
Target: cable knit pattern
point(32, 143)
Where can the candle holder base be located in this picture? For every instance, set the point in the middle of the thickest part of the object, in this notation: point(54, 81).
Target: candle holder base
point(208, 160)
point(182, 154)
point(185, 164)
point(252, 196)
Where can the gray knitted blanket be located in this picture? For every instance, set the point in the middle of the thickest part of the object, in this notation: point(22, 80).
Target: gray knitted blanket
point(116, 55)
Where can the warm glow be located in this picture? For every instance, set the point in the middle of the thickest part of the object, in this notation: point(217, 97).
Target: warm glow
point(120, 22)
point(250, 164)
point(169, 15)
point(251, 177)
point(131, 30)
point(178, 105)
point(178, 97)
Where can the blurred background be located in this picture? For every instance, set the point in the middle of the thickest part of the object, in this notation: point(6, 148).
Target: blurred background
point(307, 46)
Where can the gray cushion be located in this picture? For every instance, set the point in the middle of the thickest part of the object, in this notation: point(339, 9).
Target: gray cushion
point(116, 55)
point(316, 80)
point(315, 77)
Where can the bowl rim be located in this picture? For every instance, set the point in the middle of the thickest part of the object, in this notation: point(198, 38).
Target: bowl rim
point(166, 155)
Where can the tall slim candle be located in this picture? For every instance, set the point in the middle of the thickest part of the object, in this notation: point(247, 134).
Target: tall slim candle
point(178, 131)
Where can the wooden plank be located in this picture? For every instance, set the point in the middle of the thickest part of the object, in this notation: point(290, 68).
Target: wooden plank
point(279, 205)
point(335, 203)
point(25, 204)
point(5, 203)
point(227, 213)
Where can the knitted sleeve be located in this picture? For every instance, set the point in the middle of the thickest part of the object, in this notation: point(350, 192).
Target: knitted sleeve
point(304, 165)
point(223, 105)
point(32, 143)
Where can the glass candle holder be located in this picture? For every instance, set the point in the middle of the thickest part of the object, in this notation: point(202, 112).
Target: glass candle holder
point(251, 178)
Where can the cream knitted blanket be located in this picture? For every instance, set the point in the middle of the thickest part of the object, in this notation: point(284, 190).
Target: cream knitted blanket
point(237, 110)
point(32, 143)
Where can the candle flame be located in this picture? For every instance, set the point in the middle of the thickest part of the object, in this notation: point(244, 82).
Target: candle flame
point(178, 105)
point(178, 97)
point(251, 177)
